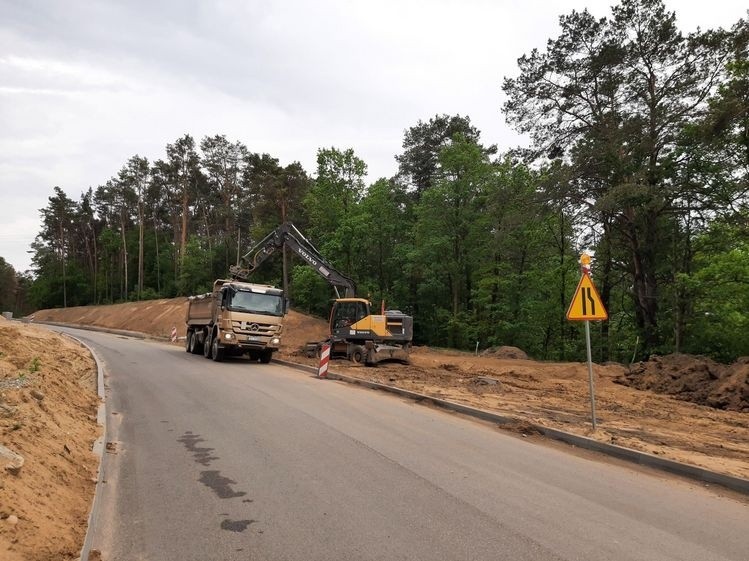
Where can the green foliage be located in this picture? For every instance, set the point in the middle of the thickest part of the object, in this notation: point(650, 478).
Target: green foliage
point(8, 286)
point(331, 205)
point(311, 295)
point(197, 275)
point(719, 290)
point(379, 228)
point(34, 365)
point(419, 164)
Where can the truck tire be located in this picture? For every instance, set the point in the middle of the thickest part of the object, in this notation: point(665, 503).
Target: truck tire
point(217, 353)
point(188, 341)
point(265, 356)
point(207, 345)
point(358, 355)
point(195, 344)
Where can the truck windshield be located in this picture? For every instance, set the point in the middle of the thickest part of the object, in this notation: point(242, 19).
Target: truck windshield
point(268, 304)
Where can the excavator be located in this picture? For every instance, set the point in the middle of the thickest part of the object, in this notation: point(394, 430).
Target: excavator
point(355, 332)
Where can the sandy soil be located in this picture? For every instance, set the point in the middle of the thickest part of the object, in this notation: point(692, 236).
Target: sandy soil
point(550, 394)
point(48, 406)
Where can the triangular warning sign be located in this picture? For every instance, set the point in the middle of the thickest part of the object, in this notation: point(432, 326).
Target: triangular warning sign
point(586, 304)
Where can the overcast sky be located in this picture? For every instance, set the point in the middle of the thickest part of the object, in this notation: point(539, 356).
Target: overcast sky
point(84, 85)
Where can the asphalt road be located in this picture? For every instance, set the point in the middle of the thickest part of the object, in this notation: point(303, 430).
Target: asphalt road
point(248, 461)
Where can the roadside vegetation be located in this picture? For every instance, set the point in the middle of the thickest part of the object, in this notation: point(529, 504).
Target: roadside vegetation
point(638, 150)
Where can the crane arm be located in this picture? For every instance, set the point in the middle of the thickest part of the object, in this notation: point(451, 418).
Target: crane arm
point(288, 235)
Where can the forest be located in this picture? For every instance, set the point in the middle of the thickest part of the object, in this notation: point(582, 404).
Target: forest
point(638, 152)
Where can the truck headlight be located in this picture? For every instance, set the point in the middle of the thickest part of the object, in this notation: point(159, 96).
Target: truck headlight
point(228, 335)
point(275, 341)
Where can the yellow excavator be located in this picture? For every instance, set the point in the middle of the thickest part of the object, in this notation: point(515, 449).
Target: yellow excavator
point(355, 332)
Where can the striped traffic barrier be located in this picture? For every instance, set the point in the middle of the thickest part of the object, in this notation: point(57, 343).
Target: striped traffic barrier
point(322, 372)
point(174, 334)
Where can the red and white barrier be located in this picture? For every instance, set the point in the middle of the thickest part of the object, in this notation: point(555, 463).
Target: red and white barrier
point(174, 334)
point(322, 372)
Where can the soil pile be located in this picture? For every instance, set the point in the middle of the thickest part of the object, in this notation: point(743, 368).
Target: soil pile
point(48, 405)
point(505, 352)
point(154, 317)
point(693, 378)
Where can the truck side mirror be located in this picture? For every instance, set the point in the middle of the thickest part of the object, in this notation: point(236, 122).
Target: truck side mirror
point(286, 305)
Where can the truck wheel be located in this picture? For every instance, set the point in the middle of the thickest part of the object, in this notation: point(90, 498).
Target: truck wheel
point(217, 353)
point(358, 355)
point(194, 343)
point(207, 345)
point(265, 356)
point(188, 341)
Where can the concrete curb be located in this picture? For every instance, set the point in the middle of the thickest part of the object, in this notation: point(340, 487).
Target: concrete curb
point(98, 448)
point(635, 456)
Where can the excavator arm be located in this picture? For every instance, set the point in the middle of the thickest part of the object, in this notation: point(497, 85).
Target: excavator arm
point(288, 235)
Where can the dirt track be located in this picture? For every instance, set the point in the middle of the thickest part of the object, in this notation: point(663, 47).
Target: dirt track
point(550, 394)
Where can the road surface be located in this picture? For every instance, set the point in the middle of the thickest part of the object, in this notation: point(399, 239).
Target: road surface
point(224, 461)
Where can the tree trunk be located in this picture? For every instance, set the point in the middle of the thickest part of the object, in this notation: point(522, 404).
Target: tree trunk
point(606, 288)
point(96, 269)
point(140, 248)
point(645, 287)
point(124, 253)
point(562, 289)
point(284, 262)
point(183, 232)
point(64, 275)
point(158, 264)
point(682, 304)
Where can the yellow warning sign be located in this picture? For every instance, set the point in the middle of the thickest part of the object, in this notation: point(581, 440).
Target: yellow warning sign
point(586, 304)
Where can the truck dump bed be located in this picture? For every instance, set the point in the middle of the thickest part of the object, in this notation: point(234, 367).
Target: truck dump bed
point(200, 309)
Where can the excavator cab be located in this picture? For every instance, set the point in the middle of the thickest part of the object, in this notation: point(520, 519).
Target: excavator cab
point(346, 313)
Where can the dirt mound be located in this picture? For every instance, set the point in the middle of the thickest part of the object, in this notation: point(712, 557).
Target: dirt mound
point(731, 392)
point(693, 378)
point(154, 317)
point(505, 352)
point(48, 409)
point(300, 329)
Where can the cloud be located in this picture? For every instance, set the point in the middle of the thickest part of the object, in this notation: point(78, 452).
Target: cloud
point(85, 85)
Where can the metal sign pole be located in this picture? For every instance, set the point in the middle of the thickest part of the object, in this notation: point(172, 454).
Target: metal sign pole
point(591, 384)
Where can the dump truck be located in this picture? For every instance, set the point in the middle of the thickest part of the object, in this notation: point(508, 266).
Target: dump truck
point(356, 333)
point(236, 318)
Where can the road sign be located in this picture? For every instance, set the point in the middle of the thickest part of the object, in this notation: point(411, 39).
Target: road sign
point(586, 304)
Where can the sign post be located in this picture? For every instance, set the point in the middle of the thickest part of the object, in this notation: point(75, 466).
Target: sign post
point(587, 305)
point(591, 382)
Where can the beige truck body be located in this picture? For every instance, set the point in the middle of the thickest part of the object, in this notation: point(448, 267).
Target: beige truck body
point(236, 318)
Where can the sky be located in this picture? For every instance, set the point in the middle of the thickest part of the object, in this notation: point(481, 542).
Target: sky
point(86, 84)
